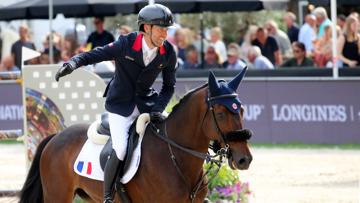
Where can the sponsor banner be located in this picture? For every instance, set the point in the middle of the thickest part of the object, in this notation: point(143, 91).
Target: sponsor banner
point(322, 111)
point(11, 110)
point(306, 111)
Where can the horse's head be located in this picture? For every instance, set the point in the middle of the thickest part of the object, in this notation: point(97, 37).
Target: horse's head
point(223, 120)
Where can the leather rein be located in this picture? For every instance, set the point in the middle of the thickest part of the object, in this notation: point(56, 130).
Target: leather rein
point(216, 159)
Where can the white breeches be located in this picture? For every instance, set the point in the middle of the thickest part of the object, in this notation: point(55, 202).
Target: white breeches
point(119, 128)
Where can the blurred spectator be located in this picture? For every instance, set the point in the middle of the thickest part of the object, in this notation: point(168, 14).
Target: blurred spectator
point(307, 34)
point(7, 64)
point(299, 59)
point(182, 39)
point(34, 61)
point(258, 60)
point(191, 58)
point(216, 40)
point(233, 61)
point(57, 46)
point(292, 28)
point(64, 56)
point(281, 38)
point(100, 37)
point(340, 21)
point(246, 44)
point(268, 46)
point(16, 48)
point(212, 59)
point(349, 43)
point(57, 41)
point(200, 43)
point(45, 59)
point(322, 20)
point(355, 14)
point(70, 44)
point(323, 48)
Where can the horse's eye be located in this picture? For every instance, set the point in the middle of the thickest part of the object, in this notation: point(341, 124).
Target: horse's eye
point(220, 115)
point(237, 116)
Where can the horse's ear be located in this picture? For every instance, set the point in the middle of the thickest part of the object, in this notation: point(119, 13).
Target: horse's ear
point(213, 84)
point(234, 83)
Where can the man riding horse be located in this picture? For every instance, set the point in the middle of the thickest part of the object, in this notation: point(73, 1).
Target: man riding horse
point(139, 58)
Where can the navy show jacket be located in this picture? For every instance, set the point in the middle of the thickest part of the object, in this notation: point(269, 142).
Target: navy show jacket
point(132, 82)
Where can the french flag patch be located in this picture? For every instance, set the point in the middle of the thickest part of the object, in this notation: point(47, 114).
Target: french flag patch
point(84, 167)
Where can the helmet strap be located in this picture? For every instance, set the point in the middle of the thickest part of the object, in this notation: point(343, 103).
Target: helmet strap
point(149, 34)
point(152, 42)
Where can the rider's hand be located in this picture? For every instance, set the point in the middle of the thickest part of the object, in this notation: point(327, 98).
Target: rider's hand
point(157, 117)
point(66, 69)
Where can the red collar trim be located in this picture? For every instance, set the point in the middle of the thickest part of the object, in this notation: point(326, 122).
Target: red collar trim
point(162, 50)
point(138, 45)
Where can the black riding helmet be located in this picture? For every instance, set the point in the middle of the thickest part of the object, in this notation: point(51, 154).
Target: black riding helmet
point(155, 14)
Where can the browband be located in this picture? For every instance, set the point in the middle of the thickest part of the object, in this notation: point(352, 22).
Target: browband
point(223, 96)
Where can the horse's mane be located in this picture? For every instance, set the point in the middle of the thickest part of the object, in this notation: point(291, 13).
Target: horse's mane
point(185, 98)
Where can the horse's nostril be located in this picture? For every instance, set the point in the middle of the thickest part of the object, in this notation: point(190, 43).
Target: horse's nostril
point(242, 161)
point(245, 160)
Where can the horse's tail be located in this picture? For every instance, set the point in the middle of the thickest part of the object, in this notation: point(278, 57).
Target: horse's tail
point(32, 189)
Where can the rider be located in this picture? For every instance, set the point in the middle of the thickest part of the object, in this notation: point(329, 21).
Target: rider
point(139, 58)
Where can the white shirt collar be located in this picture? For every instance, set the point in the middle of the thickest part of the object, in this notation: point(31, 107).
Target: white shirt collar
point(148, 54)
point(145, 47)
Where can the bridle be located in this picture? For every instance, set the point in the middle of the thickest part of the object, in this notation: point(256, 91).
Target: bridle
point(236, 135)
point(210, 101)
point(216, 159)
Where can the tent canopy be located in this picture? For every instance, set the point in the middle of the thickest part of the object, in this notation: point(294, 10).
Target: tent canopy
point(339, 2)
point(39, 9)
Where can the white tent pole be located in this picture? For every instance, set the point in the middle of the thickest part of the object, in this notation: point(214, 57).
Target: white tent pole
point(301, 5)
point(151, 2)
point(333, 5)
point(51, 53)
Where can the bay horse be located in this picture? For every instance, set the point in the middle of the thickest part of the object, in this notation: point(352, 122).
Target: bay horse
point(167, 173)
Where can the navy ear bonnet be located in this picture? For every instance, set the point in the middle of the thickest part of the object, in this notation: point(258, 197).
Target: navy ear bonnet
point(224, 93)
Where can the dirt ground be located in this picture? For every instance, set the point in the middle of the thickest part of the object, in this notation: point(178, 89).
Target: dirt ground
point(304, 176)
point(275, 175)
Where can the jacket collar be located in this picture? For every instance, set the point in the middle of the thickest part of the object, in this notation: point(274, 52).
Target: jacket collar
point(137, 46)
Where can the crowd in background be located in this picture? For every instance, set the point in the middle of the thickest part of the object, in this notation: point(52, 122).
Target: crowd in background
point(262, 47)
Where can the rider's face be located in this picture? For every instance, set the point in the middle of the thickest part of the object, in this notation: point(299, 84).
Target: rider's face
point(158, 34)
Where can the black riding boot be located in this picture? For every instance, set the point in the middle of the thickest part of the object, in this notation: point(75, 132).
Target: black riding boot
point(111, 169)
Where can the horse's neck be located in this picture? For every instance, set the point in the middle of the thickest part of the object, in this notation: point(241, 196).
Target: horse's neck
point(185, 130)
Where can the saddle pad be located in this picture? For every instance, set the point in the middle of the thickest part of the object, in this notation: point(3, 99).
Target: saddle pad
point(87, 163)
